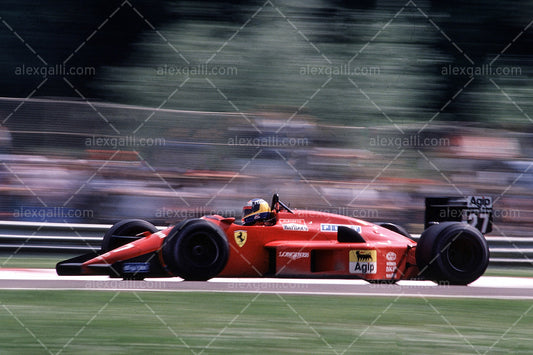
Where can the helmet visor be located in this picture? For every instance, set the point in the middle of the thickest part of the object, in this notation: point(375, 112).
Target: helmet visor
point(247, 210)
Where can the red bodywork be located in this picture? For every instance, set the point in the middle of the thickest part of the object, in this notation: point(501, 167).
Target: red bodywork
point(299, 244)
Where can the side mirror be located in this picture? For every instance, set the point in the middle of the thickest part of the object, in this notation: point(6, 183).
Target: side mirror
point(275, 203)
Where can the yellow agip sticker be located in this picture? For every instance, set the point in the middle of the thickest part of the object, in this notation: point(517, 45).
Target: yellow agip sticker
point(363, 261)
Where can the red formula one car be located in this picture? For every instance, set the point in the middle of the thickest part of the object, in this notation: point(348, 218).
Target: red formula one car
point(299, 243)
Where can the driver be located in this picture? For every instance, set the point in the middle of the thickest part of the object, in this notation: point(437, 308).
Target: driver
point(256, 211)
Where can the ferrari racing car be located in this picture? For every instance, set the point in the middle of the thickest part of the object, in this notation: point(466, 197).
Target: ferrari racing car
point(277, 241)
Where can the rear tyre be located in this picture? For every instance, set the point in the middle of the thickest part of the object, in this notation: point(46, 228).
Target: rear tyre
point(196, 250)
point(452, 253)
point(124, 232)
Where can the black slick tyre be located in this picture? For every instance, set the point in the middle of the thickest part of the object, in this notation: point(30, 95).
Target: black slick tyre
point(452, 253)
point(124, 232)
point(195, 250)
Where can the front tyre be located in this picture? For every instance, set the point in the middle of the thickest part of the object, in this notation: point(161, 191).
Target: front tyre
point(452, 252)
point(195, 250)
point(124, 232)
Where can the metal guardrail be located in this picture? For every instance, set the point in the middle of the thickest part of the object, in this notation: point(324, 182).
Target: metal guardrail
point(78, 238)
point(50, 237)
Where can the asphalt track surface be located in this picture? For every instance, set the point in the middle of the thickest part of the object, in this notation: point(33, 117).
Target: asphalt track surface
point(485, 287)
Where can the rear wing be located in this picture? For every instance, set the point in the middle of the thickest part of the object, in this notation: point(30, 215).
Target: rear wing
point(474, 210)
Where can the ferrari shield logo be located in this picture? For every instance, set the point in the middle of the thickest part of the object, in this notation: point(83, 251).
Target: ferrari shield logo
point(240, 237)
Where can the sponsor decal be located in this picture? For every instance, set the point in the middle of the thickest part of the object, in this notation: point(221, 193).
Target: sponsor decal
point(479, 202)
point(293, 220)
point(131, 268)
point(391, 256)
point(363, 261)
point(295, 227)
point(391, 268)
point(326, 227)
point(240, 237)
point(293, 255)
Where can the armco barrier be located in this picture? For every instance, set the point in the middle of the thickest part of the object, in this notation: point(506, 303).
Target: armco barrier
point(50, 237)
point(16, 237)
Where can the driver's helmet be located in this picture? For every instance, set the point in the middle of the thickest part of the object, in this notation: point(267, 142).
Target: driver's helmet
point(255, 210)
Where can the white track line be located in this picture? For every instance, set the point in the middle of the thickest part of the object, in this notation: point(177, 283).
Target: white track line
point(50, 274)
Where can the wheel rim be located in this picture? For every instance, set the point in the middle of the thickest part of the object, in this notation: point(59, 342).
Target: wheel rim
point(461, 254)
point(201, 250)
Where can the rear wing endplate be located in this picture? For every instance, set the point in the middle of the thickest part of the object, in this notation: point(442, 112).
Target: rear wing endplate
point(474, 210)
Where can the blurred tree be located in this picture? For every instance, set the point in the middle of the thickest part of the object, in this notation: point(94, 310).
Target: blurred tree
point(268, 44)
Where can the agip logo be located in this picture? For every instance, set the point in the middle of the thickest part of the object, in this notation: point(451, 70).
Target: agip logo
point(479, 202)
point(363, 261)
point(240, 237)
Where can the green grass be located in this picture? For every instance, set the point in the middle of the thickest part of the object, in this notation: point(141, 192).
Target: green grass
point(69, 322)
point(517, 271)
point(31, 261)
